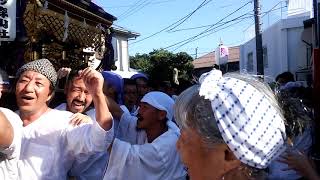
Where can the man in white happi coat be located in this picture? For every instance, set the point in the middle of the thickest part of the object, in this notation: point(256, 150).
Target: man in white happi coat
point(78, 101)
point(146, 145)
point(49, 143)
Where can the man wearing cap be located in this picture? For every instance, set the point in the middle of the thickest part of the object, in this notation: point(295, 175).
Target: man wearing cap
point(145, 146)
point(142, 83)
point(113, 86)
point(49, 143)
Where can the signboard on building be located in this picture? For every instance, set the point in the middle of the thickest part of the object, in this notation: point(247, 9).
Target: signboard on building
point(221, 55)
point(7, 20)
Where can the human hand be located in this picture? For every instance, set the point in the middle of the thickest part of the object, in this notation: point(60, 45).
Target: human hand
point(299, 162)
point(63, 72)
point(79, 118)
point(93, 80)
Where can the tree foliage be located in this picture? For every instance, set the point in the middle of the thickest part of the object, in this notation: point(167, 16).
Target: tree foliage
point(159, 65)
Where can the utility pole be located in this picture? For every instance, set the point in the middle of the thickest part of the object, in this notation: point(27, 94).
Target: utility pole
point(196, 53)
point(259, 50)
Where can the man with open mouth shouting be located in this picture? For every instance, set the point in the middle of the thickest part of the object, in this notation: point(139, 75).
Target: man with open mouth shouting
point(50, 144)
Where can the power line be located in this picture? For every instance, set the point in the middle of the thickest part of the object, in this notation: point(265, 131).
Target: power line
point(138, 8)
point(199, 27)
point(176, 22)
point(132, 8)
point(201, 53)
point(210, 28)
point(205, 35)
point(124, 6)
point(205, 2)
point(266, 12)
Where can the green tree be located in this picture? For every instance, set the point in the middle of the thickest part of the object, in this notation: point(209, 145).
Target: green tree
point(160, 64)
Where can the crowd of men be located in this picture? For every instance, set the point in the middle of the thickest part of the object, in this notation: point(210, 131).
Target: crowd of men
point(106, 128)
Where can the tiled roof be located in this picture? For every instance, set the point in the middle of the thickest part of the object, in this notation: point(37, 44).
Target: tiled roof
point(208, 60)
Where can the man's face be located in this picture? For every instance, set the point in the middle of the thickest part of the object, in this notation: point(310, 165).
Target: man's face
point(78, 97)
point(32, 92)
point(148, 116)
point(130, 95)
point(142, 87)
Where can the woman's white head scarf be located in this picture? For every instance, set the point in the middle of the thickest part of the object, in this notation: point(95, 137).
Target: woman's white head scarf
point(248, 122)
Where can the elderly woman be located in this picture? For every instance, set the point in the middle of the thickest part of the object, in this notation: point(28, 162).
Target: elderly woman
point(231, 127)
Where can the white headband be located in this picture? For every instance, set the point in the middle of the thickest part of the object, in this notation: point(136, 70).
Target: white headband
point(161, 101)
point(249, 124)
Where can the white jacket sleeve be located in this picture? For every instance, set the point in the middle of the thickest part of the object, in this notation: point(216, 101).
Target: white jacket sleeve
point(127, 130)
point(88, 138)
point(13, 151)
point(134, 161)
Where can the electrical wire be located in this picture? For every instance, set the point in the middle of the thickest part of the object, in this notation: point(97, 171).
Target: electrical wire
point(125, 6)
point(132, 8)
point(205, 35)
point(136, 9)
point(209, 28)
point(205, 2)
point(173, 24)
point(199, 27)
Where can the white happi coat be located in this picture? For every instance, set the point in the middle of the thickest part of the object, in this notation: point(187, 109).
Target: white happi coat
point(9, 156)
point(301, 143)
point(132, 157)
point(50, 145)
point(87, 167)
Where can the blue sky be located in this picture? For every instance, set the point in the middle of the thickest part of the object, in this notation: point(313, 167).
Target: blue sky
point(149, 16)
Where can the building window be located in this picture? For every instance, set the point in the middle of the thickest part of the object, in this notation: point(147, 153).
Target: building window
point(250, 62)
point(265, 57)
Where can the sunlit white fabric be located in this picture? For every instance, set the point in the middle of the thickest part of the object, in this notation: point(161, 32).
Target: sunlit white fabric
point(50, 145)
point(132, 157)
point(9, 156)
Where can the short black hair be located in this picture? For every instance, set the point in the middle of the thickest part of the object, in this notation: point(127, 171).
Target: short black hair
point(127, 81)
point(72, 75)
point(287, 76)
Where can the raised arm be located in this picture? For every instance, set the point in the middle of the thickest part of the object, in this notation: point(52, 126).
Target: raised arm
point(6, 131)
point(94, 83)
point(114, 108)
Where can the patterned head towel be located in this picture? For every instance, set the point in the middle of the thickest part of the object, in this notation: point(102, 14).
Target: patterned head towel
point(42, 66)
point(251, 126)
point(161, 101)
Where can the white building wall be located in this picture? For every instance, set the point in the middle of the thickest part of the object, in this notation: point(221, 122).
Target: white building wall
point(299, 8)
point(285, 50)
point(120, 46)
point(125, 55)
point(297, 50)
